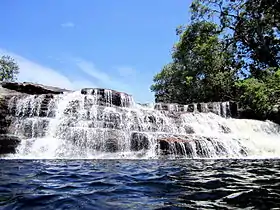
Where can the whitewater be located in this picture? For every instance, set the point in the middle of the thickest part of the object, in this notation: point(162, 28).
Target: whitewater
point(76, 126)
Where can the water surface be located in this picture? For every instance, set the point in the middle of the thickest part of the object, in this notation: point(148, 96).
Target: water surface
point(139, 184)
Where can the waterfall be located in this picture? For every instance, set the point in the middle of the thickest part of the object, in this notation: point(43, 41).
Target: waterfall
point(86, 125)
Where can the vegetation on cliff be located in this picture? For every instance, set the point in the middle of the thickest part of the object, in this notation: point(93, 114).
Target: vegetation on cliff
point(8, 68)
point(235, 56)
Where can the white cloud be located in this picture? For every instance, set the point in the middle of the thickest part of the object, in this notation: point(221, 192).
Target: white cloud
point(103, 78)
point(126, 71)
point(33, 72)
point(68, 25)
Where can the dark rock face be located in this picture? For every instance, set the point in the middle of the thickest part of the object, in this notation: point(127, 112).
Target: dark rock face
point(4, 120)
point(274, 116)
point(192, 146)
point(8, 90)
point(111, 145)
point(191, 108)
point(233, 109)
point(174, 146)
point(8, 144)
point(31, 88)
point(107, 97)
point(139, 141)
point(225, 109)
point(189, 129)
point(248, 113)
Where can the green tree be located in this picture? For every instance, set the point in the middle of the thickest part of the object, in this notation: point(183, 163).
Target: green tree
point(253, 26)
point(260, 95)
point(200, 70)
point(168, 84)
point(8, 69)
point(235, 56)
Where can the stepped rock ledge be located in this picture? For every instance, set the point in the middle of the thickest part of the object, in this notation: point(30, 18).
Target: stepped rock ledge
point(10, 92)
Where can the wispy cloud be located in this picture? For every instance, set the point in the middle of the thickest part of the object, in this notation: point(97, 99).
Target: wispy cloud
point(101, 77)
point(68, 25)
point(126, 71)
point(31, 71)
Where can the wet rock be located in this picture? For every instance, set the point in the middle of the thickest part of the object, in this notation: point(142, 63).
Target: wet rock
point(274, 115)
point(190, 108)
point(201, 150)
point(33, 129)
point(111, 145)
point(4, 119)
point(106, 97)
point(150, 119)
point(202, 107)
point(8, 143)
point(161, 106)
point(32, 88)
point(249, 114)
point(44, 106)
point(233, 109)
point(139, 141)
point(189, 129)
point(199, 107)
point(225, 129)
point(220, 149)
point(174, 146)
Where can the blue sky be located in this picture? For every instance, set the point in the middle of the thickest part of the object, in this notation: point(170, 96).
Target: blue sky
point(116, 44)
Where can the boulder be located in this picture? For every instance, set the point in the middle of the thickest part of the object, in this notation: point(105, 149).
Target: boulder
point(8, 144)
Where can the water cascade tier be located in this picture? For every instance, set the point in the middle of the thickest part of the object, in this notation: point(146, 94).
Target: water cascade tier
point(99, 123)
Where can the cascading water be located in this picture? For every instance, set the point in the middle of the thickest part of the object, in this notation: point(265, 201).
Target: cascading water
point(75, 125)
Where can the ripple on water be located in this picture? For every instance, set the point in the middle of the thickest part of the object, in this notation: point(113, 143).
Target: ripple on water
point(141, 184)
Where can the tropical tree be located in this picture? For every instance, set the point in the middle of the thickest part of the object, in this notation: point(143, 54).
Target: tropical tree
point(229, 51)
point(8, 69)
point(253, 26)
point(200, 70)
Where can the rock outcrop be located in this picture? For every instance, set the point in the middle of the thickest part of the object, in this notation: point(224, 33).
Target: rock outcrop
point(108, 125)
point(193, 146)
point(8, 90)
point(225, 109)
point(8, 143)
point(106, 97)
point(274, 116)
point(32, 88)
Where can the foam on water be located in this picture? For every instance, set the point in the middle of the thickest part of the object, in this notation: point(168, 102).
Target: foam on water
point(73, 125)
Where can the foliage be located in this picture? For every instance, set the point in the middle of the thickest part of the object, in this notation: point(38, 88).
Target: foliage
point(8, 69)
point(167, 84)
point(252, 26)
point(199, 63)
point(229, 51)
point(260, 95)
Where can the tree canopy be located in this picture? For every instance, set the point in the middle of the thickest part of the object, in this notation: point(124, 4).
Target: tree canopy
point(229, 51)
point(8, 69)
